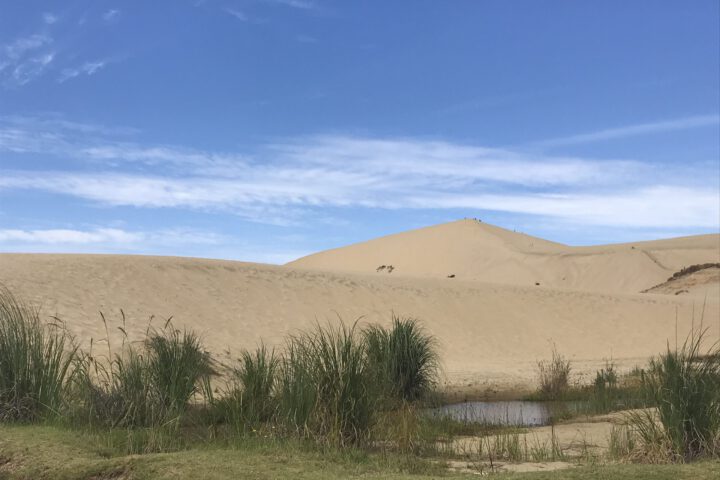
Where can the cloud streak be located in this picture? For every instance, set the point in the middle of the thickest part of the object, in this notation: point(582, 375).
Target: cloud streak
point(67, 236)
point(635, 130)
point(237, 14)
point(284, 181)
point(176, 241)
point(298, 4)
point(111, 14)
point(87, 68)
point(108, 236)
point(49, 18)
point(25, 59)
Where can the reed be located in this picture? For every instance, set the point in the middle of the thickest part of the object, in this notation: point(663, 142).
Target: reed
point(36, 361)
point(403, 359)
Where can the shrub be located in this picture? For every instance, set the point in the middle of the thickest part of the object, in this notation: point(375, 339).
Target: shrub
point(337, 363)
point(403, 359)
point(178, 366)
point(684, 384)
point(119, 395)
point(250, 399)
point(296, 392)
point(35, 361)
point(144, 387)
point(605, 388)
point(323, 387)
point(554, 375)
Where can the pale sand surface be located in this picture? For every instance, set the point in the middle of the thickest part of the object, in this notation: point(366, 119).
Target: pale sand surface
point(702, 283)
point(576, 440)
point(473, 250)
point(490, 334)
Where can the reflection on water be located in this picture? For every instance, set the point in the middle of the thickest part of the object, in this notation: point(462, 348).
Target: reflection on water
point(519, 413)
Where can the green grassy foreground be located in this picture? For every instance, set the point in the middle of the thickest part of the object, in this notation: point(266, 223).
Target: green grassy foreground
point(48, 452)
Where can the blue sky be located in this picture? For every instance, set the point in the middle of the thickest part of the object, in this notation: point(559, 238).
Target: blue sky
point(263, 130)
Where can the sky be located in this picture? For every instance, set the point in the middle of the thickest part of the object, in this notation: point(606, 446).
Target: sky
point(264, 130)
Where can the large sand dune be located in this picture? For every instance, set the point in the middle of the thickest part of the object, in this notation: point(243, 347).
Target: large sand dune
point(490, 334)
point(472, 250)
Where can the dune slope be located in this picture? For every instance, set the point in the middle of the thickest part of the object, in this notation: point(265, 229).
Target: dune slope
point(471, 250)
point(489, 335)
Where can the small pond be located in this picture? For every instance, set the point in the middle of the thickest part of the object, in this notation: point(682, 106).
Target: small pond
point(513, 413)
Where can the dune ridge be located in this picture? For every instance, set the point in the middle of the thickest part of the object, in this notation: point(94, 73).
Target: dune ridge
point(471, 250)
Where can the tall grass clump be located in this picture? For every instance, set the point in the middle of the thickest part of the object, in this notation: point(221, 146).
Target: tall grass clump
point(323, 387)
point(179, 366)
point(143, 386)
point(296, 392)
point(684, 384)
point(403, 359)
point(35, 362)
point(605, 388)
point(554, 376)
point(250, 399)
point(337, 361)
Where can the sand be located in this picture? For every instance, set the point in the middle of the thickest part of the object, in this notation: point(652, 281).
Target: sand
point(472, 250)
point(492, 322)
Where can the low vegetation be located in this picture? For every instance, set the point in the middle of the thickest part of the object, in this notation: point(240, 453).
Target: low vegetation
point(684, 385)
point(331, 385)
point(554, 376)
point(403, 359)
point(609, 391)
point(147, 386)
point(249, 399)
point(335, 388)
point(35, 362)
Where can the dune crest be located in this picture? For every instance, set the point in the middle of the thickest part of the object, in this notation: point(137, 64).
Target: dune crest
point(472, 250)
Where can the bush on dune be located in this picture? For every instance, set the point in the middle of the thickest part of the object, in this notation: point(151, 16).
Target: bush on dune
point(35, 362)
point(250, 398)
point(329, 384)
point(684, 385)
point(146, 386)
point(554, 376)
point(336, 361)
point(403, 359)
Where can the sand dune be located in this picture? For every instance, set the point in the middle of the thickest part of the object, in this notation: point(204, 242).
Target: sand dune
point(471, 250)
point(704, 282)
point(490, 334)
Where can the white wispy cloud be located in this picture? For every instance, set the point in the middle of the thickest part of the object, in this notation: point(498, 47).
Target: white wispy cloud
point(105, 236)
point(18, 48)
point(31, 68)
point(65, 236)
point(371, 161)
point(663, 206)
point(237, 14)
point(111, 14)
point(30, 57)
point(25, 59)
point(49, 18)
point(634, 130)
point(659, 206)
point(173, 241)
point(87, 68)
point(56, 125)
point(299, 4)
point(286, 180)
